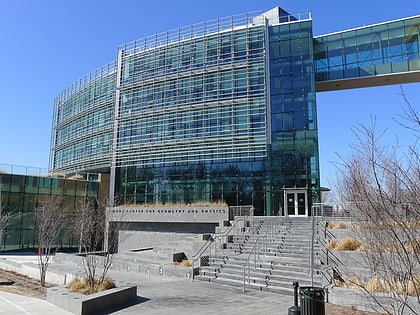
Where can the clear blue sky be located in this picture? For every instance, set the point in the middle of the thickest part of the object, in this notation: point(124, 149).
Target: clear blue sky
point(46, 45)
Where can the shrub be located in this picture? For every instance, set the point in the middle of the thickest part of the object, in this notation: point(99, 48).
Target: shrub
point(414, 287)
point(375, 285)
point(348, 243)
point(414, 246)
point(349, 283)
point(338, 225)
point(76, 285)
point(82, 286)
point(331, 245)
point(106, 285)
point(185, 263)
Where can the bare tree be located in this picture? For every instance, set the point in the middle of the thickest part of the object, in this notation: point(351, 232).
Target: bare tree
point(383, 184)
point(4, 217)
point(4, 220)
point(50, 219)
point(90, 228)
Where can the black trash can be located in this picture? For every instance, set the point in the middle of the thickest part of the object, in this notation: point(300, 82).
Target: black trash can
point(312, 301)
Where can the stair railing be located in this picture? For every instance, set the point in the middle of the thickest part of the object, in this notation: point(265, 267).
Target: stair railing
point(311, 250)
point(331, 261)
point(206, 248)
point(315, 223)
point(259, 246)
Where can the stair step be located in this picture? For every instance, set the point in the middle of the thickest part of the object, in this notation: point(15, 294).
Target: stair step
point(284, 258)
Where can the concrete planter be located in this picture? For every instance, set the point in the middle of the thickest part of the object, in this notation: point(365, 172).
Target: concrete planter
point(81, 304)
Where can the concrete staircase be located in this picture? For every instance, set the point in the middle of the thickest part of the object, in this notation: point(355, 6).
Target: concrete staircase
point(269, 255)
point(156, 260)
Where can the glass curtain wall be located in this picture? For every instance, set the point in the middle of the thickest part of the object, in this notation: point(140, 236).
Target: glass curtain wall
point(294, 150)
point(83, 123)
point(196, 124)
point(193, 122)
point(387, 48)
point(22, 194)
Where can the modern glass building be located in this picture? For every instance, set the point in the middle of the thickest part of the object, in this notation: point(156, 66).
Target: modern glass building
point(23, 189)
point(222, 111)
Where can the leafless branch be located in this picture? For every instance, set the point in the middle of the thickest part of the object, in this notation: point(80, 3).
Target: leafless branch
point(382, 183)
point(50, 219)
point(90, 228)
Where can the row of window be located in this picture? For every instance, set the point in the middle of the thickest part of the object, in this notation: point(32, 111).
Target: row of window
point(289, 31)
point(93, 122)
point(214, 172)
point(382, 49)
point(293, 109)
point(201, 88)
point(236, 182)
point(220, 119)
point(21, 203)
point(206, 52)
point(172, 153)
point(98, 92)
point(90, 149)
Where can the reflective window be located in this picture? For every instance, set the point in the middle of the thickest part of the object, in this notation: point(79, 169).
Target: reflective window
point(375, 50)
point(21, 195)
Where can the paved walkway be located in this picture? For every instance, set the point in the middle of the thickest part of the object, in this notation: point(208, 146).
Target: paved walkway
point(14, 304)
point(165, 295)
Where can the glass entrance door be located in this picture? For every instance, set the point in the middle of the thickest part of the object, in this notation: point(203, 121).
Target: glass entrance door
point(296, 203)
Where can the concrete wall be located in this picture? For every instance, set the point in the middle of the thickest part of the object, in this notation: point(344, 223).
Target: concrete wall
point(162, 242)
point(169, 214)
point(350, 297)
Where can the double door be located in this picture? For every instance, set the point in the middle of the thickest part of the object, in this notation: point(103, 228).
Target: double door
point(296, 203)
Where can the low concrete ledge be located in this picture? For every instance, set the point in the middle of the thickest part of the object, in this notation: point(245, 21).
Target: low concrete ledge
point(135, 264)
point(362, 301)
point(81, 304)
point(9, 265)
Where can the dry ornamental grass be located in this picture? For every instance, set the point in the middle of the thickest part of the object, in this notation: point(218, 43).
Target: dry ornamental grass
point(376, 284)
point(337, 225)
point(184, 263)
point(348, 243)
point(82, 286)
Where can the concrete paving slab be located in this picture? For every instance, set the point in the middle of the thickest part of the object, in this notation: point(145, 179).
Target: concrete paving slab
point(14, 304)
point(170, 295)
point(164, 295)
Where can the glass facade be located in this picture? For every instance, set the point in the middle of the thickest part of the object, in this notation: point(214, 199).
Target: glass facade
point(294, 150)
point(193, 120)
point(195, 101)
point(83, 123)
point(205, 120)
point(387, 48)
point(20, 195)
point(221, 111)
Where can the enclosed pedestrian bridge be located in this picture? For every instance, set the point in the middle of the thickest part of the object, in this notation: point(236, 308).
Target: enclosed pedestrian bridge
point(374, 55)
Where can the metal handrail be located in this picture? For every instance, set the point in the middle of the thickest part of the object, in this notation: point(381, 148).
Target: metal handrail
point(329, 255)
point(332, 262)
point(327, 252)
point(329, 278)
point(328, 233)
point(206, 245)
point(253, 251)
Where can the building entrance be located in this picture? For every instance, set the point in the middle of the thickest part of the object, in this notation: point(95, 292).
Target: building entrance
point(296, 203)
